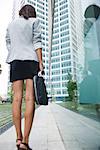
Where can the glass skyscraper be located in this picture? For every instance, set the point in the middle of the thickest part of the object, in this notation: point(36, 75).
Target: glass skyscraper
point(62, 41)
point(67, 45)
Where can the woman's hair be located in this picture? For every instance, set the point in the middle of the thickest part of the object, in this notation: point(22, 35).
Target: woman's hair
point(27, 11)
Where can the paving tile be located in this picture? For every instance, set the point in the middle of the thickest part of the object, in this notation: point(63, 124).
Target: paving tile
point(78, 132)
point(72, 145)
point(55, 146)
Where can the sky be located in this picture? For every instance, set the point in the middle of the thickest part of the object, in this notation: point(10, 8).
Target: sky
point(86, 3)
point(5, 18)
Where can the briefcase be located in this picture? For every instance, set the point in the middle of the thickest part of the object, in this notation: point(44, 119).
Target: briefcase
point(40, 90)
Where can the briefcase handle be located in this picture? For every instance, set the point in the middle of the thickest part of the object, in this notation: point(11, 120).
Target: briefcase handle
point(41, 73)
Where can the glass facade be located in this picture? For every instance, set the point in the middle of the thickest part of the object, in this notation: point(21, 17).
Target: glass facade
point(90, 84)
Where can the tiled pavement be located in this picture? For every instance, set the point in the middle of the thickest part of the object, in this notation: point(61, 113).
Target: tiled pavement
point(56, 128)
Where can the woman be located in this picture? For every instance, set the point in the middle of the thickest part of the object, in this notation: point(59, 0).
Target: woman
point(23, 42)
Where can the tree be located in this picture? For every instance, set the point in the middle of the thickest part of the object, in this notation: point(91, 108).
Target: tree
point(72, 90)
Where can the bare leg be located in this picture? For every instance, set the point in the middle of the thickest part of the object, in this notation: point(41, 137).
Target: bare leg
point(16, 107)
point(29, 112)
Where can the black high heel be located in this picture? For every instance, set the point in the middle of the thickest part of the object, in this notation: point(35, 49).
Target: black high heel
point(17, 145)
point(27, 146)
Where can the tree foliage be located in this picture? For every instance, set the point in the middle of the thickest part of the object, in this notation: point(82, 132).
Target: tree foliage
point(72, 90)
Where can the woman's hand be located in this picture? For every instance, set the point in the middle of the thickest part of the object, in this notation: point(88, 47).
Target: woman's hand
point(41, 67)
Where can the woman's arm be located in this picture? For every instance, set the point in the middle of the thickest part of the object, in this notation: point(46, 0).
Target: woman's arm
point(37, 35)
point(39, 54)
point(37, 42)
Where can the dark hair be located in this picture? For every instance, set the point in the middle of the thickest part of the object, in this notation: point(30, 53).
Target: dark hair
point(27, 11)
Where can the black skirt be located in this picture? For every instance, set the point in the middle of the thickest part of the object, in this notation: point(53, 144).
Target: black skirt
point(23, 69)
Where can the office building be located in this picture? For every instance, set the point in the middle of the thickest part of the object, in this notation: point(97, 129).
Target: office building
point(67, 45)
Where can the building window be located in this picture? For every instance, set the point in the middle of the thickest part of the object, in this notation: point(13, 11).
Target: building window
point(64, 28)
point(65, 33)
point(64, 84)
point(65, 45)
point(56, 5)
point(63, 17)
point(56, 10)
point(55, 42)
point(56, 85)
point(64, 91)
point(64, 22)
point(63, 7)
point(67, 57)
point(56, 25)
point(58, 92)
point(55, 60)
point(54, 66)
point(65, 51)
point(67, 70)
point(56, 36)
point(55, 72)
point(63, 2)
point(55, 54)
point(55, 15)
point(31, 2)
point(55, 48)
point(47, 50)
point(65, 64)
point(55, 20)
point(64, 77)
point(57, 78)
point(65, 39)
point(40, 6)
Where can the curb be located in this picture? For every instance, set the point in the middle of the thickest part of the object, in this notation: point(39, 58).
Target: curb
point(5, 127)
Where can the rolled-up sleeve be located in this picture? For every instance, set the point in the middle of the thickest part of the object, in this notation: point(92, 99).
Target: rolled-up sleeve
point(37, 34)
point(8, 41)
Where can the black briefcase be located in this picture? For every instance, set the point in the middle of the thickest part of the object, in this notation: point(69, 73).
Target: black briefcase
point(40, 90)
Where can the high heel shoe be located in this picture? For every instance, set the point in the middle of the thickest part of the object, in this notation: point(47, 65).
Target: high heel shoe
point(17, 145)
point(26, 145)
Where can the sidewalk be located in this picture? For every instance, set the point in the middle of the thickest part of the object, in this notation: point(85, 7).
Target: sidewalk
point(56, 128)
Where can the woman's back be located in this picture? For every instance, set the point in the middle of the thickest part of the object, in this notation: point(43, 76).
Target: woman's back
point(23, 34)
point(21, 30)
